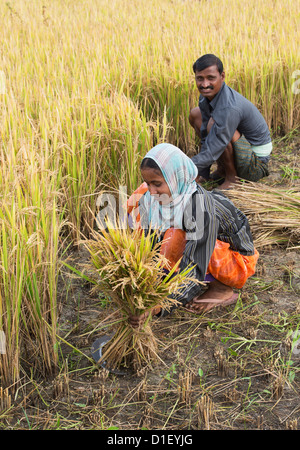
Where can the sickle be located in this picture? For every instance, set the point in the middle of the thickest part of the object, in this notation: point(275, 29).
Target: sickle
point(96, 351)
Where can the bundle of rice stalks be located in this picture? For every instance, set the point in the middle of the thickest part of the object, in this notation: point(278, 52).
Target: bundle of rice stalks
point(131, 270)
point(273, 212)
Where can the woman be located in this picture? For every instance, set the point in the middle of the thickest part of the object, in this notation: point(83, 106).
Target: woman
point(217, 237)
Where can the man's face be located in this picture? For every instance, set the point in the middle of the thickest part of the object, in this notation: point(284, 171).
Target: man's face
point(209, 81)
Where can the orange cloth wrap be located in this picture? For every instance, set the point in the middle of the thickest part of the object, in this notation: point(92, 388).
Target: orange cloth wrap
point(173, 245)
point(230, 267)
point(133, 203)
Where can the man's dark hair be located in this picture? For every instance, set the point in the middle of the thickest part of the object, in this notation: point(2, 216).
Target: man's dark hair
point(206, 61)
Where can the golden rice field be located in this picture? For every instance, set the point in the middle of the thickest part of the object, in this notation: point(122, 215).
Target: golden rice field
point(87, 87)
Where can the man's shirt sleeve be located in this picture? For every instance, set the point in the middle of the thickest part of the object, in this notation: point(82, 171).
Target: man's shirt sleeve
point(226, 123)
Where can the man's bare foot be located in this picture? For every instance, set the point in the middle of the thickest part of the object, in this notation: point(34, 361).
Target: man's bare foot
point(217, 294)
point(228, 183)
point(217, 175)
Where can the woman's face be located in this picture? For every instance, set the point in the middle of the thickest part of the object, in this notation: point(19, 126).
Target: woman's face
point(157, 185)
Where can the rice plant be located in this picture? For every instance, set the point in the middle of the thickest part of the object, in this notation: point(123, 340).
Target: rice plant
point(30, 226)
point(90, 87)
point(132, 270)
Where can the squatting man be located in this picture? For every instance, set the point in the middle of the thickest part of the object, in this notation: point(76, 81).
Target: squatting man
point(231, 129)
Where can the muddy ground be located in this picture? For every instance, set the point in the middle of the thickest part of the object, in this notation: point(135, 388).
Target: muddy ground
point(232, 368)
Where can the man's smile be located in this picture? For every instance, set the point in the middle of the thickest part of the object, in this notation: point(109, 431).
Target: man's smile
point(206, 88)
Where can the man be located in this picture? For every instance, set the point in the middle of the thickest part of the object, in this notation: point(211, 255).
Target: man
point(232, 130)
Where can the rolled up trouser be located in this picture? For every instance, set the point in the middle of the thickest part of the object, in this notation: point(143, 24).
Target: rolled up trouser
point(248, 165)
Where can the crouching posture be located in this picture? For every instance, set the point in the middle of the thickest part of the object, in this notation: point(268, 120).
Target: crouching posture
point(232, 130)
point(202, 228)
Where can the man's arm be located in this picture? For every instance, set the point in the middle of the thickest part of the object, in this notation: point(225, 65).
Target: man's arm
point(225, 124)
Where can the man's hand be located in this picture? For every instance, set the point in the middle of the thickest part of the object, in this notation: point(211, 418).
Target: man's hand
point(200, 179)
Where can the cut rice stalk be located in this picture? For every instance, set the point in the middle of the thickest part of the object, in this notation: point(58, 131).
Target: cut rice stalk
point(273, 212)
point(131, 269)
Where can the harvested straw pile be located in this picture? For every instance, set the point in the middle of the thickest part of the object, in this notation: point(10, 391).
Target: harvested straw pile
point(273, 213)
point(131, 269)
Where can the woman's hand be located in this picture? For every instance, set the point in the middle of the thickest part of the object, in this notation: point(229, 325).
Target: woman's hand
point(138, 321)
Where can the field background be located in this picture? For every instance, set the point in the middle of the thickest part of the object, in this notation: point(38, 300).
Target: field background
point(90, 87)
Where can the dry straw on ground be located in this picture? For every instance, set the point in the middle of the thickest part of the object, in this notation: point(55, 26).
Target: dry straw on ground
point(273, 212)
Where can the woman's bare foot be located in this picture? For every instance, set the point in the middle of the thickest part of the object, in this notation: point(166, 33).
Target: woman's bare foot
point(217, 294)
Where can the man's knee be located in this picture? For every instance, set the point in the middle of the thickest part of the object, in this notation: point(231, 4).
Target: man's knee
point(195, 117)
point(236, 136)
